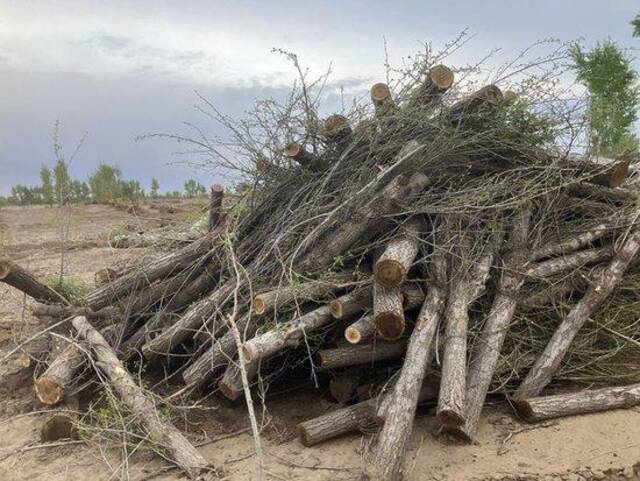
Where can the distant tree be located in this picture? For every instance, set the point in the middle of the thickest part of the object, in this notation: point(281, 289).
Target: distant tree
point(62, 181)
point(4, 201)
point(155, 186)
point(175, 193)
point(636, 26)
point(106, 183)
point(47, 186)
point(607, 74)
point(80, 191)
point(131, 190)
point(193, 188)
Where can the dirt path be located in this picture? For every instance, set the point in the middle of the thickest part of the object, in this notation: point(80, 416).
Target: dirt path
point(603, 446)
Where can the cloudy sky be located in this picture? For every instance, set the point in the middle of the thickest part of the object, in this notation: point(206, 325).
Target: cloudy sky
point(120, 69)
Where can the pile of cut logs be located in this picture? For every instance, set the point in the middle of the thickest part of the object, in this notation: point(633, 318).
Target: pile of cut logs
point(378, 292)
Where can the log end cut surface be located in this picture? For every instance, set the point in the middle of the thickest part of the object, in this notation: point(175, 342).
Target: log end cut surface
point(389, 273)
point(441, 76)
point(380, 92)
point(352, 335)
point(48, 391)
point(389, 325)
point(259, 305)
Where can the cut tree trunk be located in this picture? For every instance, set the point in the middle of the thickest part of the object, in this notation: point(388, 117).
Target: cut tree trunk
point(363, 330)
point(400, 407)
point(464, 287)
point(160, 432)
point(569, 262)
point(63, 371)
point(351, 304)
point(485, 359)
point(362, 416)
point(479, 102)
point(215, 205)
point(231, 383)
point(315, 290)
point(393, 265)
point(15, 276)
point(286, 335)
point(307, 160)
point(361, 354)
point(382, 100)
point(439, 79)
point(163, 267)
point(388, 311)
point(588, 401)
point(549, 361)
point(603, 194)
point(606, 172)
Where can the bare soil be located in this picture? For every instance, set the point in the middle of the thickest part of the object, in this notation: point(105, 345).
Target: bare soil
point(601, 446)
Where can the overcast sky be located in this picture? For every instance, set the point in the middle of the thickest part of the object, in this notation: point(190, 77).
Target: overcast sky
point(119, 69)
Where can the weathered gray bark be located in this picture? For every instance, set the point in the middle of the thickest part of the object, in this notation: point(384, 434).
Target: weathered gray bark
point(588, 401)
point(160, 432)
point(465, 286)
point(285, 335)
point(361, 354)
point(363, 330)
point(393, 265)
point(15, 276)
point(574, 243)
point(549, 361)
point(401, 406)
point(363, 416)
point(570, 261)
point(485, 358)
point(283, 296)
point(171, 263)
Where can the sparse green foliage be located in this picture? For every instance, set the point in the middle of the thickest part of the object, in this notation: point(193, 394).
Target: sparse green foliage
point(73, 290)
point(155, 187)
point(47, 186)
point(636, 26)
point(62, 181)
point(106, 183)
point(607, 74)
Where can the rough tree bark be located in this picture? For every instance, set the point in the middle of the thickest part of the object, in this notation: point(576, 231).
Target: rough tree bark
point(439, 79)
point(361, 354)
point(388, 311)
point(231, 385)
point(382, 100)
point(15, 276)
point(466, 283)
point(351, 303)
point(401, 406)
point(570, 261)
point(267, 302)
point(588, 401)
point(52, 385)
point(549, 361)
point(160, 432)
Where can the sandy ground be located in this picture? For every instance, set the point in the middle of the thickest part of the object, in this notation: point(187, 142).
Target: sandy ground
point(602, 446)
